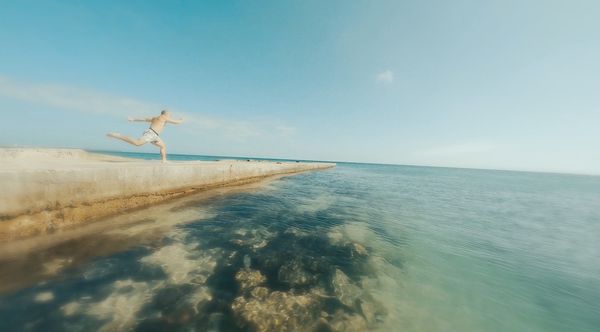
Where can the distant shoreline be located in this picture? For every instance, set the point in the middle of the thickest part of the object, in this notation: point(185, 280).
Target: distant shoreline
point(157, 156)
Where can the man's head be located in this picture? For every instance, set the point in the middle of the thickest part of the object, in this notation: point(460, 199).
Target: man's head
point(165, 113)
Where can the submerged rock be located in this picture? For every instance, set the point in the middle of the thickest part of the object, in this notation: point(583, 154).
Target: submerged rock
point(183, 264)
point(371, 309)
point(259, 292)
point(264, 310)
point(344, 289)
point(254, 239)
point(277, 311)
point(359, 249)
point(343, 322)
point(247, 261)
point(248, 279)
point(259, 245)
point(335, 237)
point(199, 299)
point(358, 299)
point(294, 274)
point(368, 312)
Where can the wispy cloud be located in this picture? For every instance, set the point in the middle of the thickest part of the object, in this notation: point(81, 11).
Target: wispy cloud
point(286, 130)
point(90, 101)
point(386, 77)
point(71, 98)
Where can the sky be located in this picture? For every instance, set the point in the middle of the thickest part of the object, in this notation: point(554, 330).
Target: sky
point(482, 84)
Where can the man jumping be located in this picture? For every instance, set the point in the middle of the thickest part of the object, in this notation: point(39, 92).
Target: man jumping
point(151, 135)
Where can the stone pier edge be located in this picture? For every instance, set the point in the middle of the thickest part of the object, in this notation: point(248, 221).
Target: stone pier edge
point(51, 219)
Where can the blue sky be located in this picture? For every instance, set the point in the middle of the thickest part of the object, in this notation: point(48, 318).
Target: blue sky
point(484, 84)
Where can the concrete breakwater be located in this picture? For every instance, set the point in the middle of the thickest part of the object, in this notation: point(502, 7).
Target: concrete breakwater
point(47, 189)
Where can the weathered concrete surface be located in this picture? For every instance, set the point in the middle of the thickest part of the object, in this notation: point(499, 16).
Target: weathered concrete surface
point(47, 189)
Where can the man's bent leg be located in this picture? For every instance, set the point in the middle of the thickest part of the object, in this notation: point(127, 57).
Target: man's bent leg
point(163, 150)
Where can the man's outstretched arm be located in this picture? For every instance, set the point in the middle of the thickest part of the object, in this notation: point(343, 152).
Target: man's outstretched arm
point(173, 121)
point(139, 119)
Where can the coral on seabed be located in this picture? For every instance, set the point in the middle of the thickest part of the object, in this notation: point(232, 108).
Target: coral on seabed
point(276, 311)
point(248, 279)
point(294, 274)
point(266, 310)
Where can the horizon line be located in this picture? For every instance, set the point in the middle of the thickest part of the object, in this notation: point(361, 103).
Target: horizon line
point(317, 160)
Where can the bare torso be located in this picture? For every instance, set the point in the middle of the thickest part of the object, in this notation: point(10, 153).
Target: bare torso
point(158, 124)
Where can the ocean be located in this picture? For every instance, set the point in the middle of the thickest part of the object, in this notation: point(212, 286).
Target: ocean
point(358, 247)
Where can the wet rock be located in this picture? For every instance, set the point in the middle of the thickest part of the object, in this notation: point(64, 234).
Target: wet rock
point(277, 311)
point(255, 239)
point(368, 312)
point(359, 250)
point(321, 293)
point(70, 308)
point(199, 299)
point(294, 274)
point(321, 266)
point(259, 293)
point(335, 237)
point(120, 308)
point(371, 309)
point(199, 280)
point(248, 279)
point(43, 297)
point(343, 322)
point(344, 289)
point(296, 232)
point(184, 264)
point(230, 259)
point(259, 245)
point(240, 231)
point(214, 321)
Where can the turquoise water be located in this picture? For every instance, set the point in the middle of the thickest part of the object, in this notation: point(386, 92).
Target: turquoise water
point(417, 249)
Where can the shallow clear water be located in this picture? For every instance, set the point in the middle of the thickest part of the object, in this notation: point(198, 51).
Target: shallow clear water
point(393, 248)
